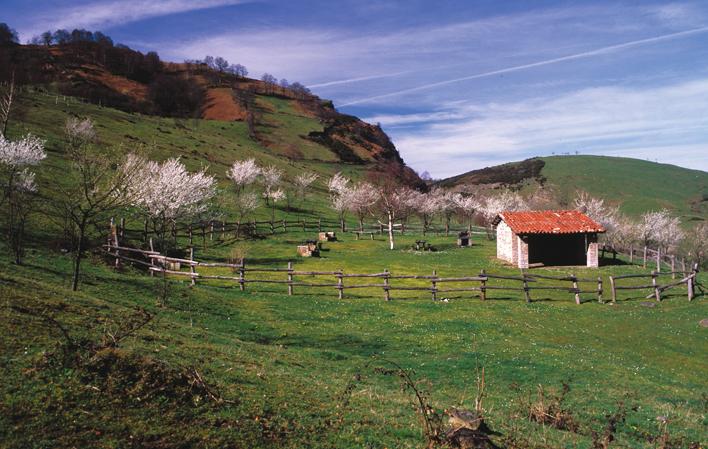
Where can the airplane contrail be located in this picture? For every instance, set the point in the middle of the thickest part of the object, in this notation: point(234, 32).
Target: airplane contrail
point(362, 78)
point(585, 54)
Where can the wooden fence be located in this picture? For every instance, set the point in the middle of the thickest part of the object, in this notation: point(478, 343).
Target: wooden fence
point(647, 256)
point(388, 282)
point(688, 278)
point(208, 230)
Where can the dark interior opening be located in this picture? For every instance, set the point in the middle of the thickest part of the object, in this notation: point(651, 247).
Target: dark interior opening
point(557, 249)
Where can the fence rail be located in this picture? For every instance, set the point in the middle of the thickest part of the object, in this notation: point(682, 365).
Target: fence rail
point(388, 282)
point(689, 279)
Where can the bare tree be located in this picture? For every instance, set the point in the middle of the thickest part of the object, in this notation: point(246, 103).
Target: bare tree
point(238, 70)
point(394, 203)
point(221, 64)
point(6, 99)
point(303, 181)
point(97, 184)
point(360, 199)
point(271, 177)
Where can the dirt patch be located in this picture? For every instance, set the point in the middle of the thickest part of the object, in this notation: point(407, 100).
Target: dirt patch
point(221, 105)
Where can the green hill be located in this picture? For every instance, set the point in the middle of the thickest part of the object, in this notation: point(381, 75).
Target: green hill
point(635, 185)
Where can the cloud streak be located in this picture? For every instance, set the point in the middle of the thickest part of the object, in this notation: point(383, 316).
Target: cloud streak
point(586, 54)
point(105, 14)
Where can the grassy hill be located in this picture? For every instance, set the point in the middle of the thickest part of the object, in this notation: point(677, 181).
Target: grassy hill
point(635, 185)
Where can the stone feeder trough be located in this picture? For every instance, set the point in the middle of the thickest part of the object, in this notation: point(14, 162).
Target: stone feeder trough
point(328, 236)
point(309, 249)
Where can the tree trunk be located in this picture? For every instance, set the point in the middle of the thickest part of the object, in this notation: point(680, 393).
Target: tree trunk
point(78, 255)
point(390, 230)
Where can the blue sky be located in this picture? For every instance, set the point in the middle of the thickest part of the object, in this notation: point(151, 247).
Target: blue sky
point(458, 85)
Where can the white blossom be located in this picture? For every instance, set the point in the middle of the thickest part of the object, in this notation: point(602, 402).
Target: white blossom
point(247, 202)
point(29, 150)
point(80, 130)
point(274, 195)
point(25, 181)
point(305, 180)
point(167, 191)
point(506, 201)
point(243, 173)
point(338, 184)
point(661, 229)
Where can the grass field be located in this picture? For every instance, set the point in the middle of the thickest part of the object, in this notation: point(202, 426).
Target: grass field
point(285, 361)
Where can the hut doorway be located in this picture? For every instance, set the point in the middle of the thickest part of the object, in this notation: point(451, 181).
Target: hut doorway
point(558, 249)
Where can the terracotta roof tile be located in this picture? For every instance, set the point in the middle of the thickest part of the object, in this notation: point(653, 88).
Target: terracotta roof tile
point(549, 222)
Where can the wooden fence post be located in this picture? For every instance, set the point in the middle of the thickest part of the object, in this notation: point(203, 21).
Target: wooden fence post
point(599, 289)
point(657, 294)
point(483, 286)
point(340, 284)
point(434, 288)
point(192, 270)
point(145, 231)
point(387, 293)
point(658, 260)
point(689, 285)
point(673, 266)
point(285, 226)
point(526, 288)
point(631, 254)
point(242, 274)
point(290, 278)
point(223, 229)
point(204, 245)
point(644, 263)
point(211, 230)
point(319, 225)
point(614, 291)
point(122, 228)
point(191, 235)
point(303, 225)
point(575, 287)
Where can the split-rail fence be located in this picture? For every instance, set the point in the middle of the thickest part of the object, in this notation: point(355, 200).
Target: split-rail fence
point(340, 281)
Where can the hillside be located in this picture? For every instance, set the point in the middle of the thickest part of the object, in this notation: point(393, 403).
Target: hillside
point(289, 123)
point(633, 184)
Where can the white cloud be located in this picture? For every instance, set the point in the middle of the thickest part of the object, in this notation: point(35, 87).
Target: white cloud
point(665, 123)
point(104, 14)
point(332, 58)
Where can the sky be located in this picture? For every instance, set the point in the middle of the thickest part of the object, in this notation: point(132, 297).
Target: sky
point(458, 85)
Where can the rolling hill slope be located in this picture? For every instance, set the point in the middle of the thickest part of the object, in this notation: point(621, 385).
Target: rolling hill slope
point(633, 184)
point(256, 118)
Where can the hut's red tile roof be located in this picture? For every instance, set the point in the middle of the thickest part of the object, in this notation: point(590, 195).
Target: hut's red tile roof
point(549, 222)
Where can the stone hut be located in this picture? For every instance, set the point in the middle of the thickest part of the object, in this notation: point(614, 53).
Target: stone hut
point(548, 237)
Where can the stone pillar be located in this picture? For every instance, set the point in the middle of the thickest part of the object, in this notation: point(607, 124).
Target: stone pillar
point(592, 256)
point(523, 251)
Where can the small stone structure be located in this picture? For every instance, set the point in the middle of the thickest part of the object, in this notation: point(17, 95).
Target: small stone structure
point(463, 239)
point(309, 249)
point(543, 238)
point(328, 236)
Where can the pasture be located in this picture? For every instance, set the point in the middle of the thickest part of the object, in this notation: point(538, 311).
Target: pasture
point(285, 364)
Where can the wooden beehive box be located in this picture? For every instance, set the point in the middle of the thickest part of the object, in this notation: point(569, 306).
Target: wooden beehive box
point(327, 236)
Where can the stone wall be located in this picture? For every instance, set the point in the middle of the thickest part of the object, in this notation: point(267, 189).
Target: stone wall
point(523, 251)
point(506, 248)
point(592, 254)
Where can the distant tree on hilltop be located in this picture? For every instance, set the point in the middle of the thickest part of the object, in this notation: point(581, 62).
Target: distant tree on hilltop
point(7, 35)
